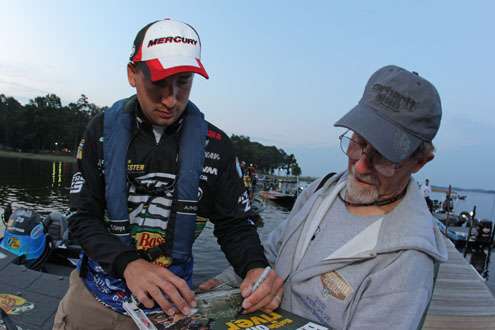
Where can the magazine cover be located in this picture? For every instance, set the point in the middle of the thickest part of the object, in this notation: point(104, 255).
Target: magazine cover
point(219, 310)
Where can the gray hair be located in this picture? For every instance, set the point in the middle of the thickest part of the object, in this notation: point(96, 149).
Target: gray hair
point(425, 150)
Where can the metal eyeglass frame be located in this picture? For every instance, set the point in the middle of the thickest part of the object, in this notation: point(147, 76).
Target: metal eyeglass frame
point(382, 166)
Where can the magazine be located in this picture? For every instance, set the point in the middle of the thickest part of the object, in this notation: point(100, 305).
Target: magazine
point(219, 310)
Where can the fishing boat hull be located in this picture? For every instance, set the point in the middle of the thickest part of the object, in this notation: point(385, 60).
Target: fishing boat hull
point(284, 200)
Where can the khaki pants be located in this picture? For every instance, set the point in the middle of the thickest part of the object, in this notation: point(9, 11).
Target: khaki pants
point(80, 310)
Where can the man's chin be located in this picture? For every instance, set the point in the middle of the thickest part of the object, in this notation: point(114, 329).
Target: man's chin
point(163, 121)
point(358, 192)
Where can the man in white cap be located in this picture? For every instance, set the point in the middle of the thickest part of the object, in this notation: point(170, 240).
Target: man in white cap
point(151, 172)
point(359, 248)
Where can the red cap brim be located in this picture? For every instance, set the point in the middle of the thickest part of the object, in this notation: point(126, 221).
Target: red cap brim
point(158, 72)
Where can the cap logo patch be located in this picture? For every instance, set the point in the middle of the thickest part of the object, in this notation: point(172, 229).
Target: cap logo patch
point(392, 99)
point(176, 39)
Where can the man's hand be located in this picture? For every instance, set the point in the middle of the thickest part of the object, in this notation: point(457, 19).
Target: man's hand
point(150, 283)
point(267, 297)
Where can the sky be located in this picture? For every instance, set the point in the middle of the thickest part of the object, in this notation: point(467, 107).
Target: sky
point(281, 72)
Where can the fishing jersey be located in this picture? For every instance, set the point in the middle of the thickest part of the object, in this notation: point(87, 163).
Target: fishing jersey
point(151, 170)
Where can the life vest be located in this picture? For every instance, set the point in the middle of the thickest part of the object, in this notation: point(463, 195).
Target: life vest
point(119, 121)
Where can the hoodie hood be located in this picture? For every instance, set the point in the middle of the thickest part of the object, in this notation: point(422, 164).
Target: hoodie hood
point(410, 227)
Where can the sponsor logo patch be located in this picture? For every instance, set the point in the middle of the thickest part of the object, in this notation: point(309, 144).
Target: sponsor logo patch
point(174, 39)
point(135, 167)
point(210, 170)
point(77, 183)
point(147, 240)
point(335, 285)
point(117, 229)
point(212, 155)
point(214, 135)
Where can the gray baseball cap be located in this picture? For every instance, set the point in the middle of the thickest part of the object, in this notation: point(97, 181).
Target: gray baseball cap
point(398, 110)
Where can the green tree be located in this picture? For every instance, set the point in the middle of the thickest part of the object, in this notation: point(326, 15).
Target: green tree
point(266, 158)
point(44, 124)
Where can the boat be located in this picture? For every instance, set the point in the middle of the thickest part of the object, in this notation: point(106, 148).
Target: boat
point(37, 255)
point(34, 268)
point(281, 191)
point(465, 231)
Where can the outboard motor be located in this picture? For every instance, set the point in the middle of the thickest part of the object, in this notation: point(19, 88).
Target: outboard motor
point(63, 245)
point(57, 227)
point(484, 232)
point(25, 237)
point(464, 218)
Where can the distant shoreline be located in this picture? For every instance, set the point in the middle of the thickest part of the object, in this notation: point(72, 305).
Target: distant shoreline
point(27, 155)
point(72, 159)
point(444, 190)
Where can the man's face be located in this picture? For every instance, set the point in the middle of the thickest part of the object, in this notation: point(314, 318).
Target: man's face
point(366, 185)
point(163, 101)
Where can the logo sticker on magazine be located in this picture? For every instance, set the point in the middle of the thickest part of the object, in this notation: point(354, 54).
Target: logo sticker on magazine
point(14, 305)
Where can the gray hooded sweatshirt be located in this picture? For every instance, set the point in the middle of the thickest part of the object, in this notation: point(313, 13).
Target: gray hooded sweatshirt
point(380, 279)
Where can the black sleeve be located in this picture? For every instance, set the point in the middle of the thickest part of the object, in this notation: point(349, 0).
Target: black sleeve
point(87, 201)
point(235, 232)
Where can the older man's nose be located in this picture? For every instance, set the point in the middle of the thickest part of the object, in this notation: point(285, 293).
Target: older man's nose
point(363, 165)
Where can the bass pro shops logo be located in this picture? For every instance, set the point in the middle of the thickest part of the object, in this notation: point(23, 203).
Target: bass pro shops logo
point(14, 243)
point(14, 305)
point(148, 240)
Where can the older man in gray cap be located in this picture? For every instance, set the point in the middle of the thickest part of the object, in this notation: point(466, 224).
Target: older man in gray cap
point(359, 248)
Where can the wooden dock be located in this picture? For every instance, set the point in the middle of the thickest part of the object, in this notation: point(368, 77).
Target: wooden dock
point(461, 299)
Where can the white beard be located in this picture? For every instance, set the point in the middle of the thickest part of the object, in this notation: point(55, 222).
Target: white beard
point(359, 193)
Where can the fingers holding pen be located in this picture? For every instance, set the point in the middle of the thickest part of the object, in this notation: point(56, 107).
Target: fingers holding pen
point(263, 294)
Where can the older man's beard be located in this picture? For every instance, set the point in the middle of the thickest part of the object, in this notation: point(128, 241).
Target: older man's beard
point(359, 193)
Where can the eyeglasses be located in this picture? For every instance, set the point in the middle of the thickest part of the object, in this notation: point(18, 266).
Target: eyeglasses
point(355, 150)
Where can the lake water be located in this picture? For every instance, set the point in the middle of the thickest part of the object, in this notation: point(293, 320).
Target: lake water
point(43, 185)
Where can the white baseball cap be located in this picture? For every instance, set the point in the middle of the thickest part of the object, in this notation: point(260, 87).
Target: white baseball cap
point(168, 47)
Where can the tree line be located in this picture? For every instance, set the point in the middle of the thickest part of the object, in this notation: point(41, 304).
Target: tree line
point(45, 125)
point(266, 158)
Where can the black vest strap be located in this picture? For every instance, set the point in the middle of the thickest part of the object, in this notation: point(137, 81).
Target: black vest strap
point(324, 180)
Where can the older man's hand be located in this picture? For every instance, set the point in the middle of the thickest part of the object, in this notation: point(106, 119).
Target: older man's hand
point(267, 297)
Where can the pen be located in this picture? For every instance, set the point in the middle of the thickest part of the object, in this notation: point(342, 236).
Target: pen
point(260, 279)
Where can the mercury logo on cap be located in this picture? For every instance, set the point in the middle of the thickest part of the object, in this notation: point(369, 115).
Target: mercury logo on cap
point(177, 39)
point(168, 47)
